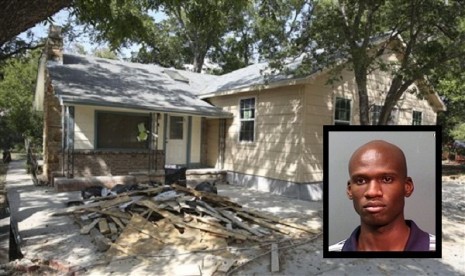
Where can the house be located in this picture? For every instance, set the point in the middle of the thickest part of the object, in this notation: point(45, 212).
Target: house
point(107, 117)
point(274, 142)
point(265, 132)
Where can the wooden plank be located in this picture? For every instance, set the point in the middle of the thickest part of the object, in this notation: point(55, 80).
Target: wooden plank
point(114, 202)
point(154, 207)
point(72, 209)
point(103, 226)
point(274, 258)
point(278, 220)
point(215, 215)
point(261, 222)
point(102, 204)
point(100, 240)
point(179, 222)
point(240, 223)
point(117, 214)
point(211, 197)
point(112, 227)
point(86, 228)
point(118, 222)
point(226, 264)
point(145, 227)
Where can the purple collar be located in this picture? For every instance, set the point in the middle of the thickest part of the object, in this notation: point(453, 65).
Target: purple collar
point(417, 241)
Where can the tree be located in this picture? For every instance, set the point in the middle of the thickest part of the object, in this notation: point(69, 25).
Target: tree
point(17, 89)
point(426, 34)
point(17, 17)
point(450, 84)
point(191, 30)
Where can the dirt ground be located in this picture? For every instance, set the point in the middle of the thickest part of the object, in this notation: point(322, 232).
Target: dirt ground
point(54, 242)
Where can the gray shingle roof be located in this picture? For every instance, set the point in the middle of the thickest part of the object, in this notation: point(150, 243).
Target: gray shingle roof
point(103, 82)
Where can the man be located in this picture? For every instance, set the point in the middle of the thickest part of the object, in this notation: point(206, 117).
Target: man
point(378, 186)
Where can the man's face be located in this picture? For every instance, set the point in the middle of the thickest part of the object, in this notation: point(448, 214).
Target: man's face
point(378, 184)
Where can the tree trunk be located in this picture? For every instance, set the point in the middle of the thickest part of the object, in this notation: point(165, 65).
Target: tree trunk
point(19, 16)
point(392, 97)
point(199, 59)
point(361, 79)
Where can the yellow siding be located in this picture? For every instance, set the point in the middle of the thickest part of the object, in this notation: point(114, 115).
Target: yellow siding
point(212, 135)
point(195, 141)
point(84, 127)
point(289, 125)
point(277, 149)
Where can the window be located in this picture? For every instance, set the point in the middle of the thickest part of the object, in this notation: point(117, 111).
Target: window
point(416, 118)
point(247, 120)
point(121, 130)
point(342, 112)
point(176, 127)
point(375, 112)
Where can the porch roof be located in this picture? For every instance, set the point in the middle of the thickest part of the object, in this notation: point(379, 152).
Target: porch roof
point(95, 81)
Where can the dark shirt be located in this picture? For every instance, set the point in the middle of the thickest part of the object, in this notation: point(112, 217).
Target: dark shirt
point(418, 240)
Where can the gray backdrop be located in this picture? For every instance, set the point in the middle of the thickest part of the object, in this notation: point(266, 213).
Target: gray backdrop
point(419, 149)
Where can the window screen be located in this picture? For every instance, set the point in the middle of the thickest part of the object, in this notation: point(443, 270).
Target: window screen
point(120, 130)
point(342, 112)
point(176, 127)
point(247, 119)
point(416, 118)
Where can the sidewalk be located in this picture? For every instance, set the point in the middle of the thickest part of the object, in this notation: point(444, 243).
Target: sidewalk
point(43, 236)
point(57, 238)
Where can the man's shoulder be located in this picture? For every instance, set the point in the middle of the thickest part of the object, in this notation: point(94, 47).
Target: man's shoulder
point(337, 246)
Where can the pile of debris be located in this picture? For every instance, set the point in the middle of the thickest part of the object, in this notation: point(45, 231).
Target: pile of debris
point(164, 220)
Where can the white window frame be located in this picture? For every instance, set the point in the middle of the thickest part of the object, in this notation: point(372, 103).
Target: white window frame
point(341, 122)
point(247, 120)
point(413, 117)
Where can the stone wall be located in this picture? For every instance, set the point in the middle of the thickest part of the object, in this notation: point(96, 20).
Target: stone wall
point(100, 163)
point(52, 131)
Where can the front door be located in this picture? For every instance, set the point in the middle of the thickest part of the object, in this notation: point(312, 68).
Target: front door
point(176, 140)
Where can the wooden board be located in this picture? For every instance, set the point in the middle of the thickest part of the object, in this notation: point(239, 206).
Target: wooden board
point(103, 226)
point(274, 258)
point(85, 230)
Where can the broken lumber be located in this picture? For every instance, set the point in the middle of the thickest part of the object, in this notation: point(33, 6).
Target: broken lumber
point(217, 199)
point(240, 223)
point(263, 223)
point(118, 222)
point(103, 226)
point(277, 219)
point(274, 258)
point(86, 229)
point(102, 204)
point(115, 213)
point(100, 240)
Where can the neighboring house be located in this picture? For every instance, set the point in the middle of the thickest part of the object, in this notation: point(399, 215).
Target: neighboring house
point(266, 132)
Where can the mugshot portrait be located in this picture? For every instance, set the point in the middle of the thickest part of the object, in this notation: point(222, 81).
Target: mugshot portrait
point(347, 146)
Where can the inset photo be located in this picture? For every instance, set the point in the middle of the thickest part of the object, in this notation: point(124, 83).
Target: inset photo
point(382, 191)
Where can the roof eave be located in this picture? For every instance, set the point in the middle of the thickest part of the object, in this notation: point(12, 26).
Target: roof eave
point(203, 113)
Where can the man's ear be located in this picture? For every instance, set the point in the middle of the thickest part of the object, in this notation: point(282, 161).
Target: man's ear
point(349, 191)
point(408, 187)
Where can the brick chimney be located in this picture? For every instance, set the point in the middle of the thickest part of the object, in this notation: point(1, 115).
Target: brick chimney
point(54, 45)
